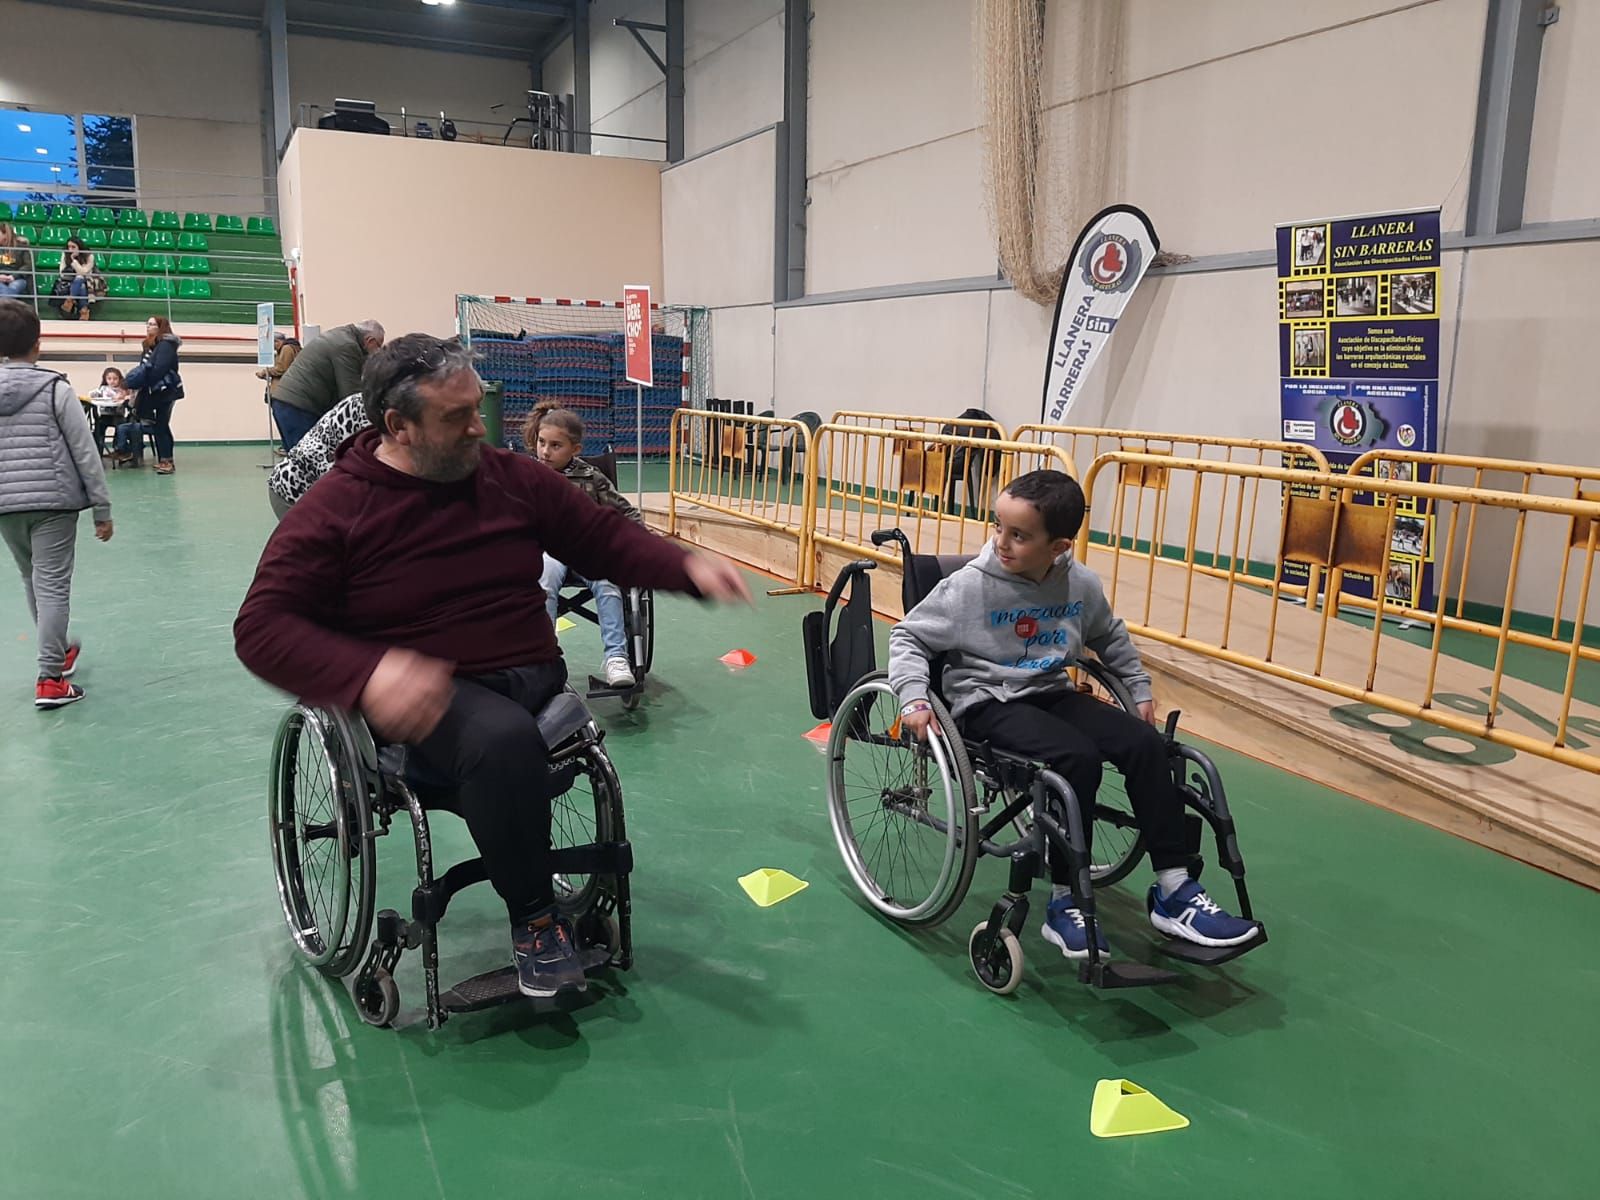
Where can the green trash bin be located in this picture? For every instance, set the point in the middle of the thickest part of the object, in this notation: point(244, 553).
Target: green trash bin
point(493, 412)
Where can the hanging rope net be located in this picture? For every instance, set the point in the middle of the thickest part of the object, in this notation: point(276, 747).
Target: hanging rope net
point(1047, 169)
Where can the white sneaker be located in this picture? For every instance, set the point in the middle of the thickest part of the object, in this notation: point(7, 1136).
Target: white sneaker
point(618, 673)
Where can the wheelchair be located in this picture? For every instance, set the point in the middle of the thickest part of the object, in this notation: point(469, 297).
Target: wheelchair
point(911, 818)
point(638, 618)
point(334, 790)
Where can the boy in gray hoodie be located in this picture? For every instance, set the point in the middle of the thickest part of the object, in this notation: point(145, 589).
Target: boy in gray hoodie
point(1010, 625)
point(49, 472)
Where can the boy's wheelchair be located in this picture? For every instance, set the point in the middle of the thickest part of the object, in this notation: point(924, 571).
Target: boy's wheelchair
point(638, 617)
point(911, 817)
point(334, 790)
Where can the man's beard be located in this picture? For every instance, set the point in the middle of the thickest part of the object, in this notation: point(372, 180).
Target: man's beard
point(445, 465)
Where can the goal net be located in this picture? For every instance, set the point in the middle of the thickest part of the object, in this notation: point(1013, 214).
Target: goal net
point(571, 352)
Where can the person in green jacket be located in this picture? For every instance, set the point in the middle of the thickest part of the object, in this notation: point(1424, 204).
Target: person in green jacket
point(322, 374)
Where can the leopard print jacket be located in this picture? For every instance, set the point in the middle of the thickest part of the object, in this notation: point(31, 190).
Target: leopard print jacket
point(312, 455)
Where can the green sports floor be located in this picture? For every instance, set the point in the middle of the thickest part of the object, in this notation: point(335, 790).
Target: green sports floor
point(1422, 1024)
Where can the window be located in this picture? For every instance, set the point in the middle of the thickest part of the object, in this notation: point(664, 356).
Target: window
point(67, 158)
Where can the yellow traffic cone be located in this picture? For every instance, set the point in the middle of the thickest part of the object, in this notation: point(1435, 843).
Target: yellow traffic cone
point(769, 885)
point(1121, 1109)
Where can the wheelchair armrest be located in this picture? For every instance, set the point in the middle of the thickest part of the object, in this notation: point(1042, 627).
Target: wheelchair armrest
point(559, 720)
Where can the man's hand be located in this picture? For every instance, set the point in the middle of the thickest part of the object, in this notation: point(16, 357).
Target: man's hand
point(407, 695)
point(717, 578)
point(1147, 711)
point(102, 530)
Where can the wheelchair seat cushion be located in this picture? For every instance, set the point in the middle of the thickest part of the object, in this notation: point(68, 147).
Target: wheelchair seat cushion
point(922, 573)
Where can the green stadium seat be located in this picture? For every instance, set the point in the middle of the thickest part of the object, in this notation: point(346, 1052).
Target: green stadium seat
point(126, 239)
point(120, 287)
point(197, 222)
point(65, 214)
point(261, 227)
point(5, 210)
point(161, 263)
point(99, 216)
point(33, 212)
point(158, 287)
point(133, 218)
point(227, 224)
point(54, 235)
point(191, 264)
point(123, 261)
point(193, 242)
point(194, 289)
point(47, 260)
point(164, 219)
point(94, 238)
point(161, 239)
point(27, 233)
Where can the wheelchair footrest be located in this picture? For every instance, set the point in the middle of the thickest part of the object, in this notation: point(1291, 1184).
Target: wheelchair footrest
point(1210, 956)
point(482, 991)
point(599, 689)
point(1117, 974)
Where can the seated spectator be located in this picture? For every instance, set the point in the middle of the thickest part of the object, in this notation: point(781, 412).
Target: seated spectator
point(403, 585)
point(111, 401)
point(555, 435)
point(79, 285)
point(16, 264)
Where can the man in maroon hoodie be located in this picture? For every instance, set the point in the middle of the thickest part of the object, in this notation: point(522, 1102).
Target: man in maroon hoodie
point(405, 585)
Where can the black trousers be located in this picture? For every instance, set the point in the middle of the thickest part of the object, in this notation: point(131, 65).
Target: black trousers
point(488, 744)
point(1074, 733)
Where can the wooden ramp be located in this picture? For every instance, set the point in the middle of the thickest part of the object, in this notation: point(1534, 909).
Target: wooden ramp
point(1531, 808)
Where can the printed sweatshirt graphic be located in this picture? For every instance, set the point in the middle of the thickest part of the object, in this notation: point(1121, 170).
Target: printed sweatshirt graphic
point(1005, 637)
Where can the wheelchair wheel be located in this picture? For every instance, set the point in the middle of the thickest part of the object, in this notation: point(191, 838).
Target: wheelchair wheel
point(1116, 843)
point(586, 812)
point(320, 815)
point(641, 617)
point(996, 961)
point(901, 810)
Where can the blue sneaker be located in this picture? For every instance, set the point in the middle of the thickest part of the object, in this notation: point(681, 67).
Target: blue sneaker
point(1192, 915)
point(1065, 929)
point(546, 960)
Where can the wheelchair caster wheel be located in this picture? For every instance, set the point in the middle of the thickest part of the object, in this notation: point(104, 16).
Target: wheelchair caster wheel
point(600, 929)
point(378, 998)
point(997, 961)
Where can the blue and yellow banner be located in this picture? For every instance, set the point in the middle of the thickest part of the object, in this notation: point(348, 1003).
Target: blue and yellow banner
point(1358, 346)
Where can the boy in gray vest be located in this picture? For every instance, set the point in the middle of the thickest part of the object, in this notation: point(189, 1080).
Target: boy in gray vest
point(49, 472)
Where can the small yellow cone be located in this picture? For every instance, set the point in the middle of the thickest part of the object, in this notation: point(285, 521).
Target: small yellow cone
point(1122, 1108)
point(769, 885)
point(565, 623)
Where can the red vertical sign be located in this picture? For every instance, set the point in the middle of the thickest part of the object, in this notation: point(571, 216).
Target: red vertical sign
point(636, 334)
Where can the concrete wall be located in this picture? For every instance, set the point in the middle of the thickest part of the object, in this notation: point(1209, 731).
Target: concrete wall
point(395, 228)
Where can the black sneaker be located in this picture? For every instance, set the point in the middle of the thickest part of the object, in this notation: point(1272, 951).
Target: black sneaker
point(547, 960)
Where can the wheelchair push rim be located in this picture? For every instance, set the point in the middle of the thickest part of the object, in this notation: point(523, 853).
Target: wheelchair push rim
point(901, 809)
point(582, 815)
point(309, 810)
point(1116, 845)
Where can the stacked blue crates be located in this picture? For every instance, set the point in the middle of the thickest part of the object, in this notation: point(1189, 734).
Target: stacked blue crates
point(508, 360)
point(573, 370)
point(660, 402)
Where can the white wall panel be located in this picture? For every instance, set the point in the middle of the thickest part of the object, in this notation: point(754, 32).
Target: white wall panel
point(1564, 157)
point(717, 227)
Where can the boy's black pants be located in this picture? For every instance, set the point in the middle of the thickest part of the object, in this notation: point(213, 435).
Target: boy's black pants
point(1074, 733)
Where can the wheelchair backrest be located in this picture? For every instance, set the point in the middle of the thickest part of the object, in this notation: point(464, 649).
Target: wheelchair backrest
point(606, 464)
point(921, 573)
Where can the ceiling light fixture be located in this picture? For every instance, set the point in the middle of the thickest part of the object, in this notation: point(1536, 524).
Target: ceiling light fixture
point(40, 150)
point(24, 128)
point(439, 3)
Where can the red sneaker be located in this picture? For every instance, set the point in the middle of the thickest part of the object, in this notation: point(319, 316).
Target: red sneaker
point(71, 664)
point(56, 693)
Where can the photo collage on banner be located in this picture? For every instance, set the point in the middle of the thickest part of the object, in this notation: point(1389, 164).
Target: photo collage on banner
point(1358, 364)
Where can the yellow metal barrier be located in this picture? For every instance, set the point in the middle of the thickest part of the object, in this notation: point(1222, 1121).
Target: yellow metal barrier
point(1500, 474)
point(727, 463)
point(928, 466)
point(1325, 527)
point(1085, 443)
point(874, 483)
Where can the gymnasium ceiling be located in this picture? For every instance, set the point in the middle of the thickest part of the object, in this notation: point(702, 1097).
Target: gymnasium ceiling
point(502, 28)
